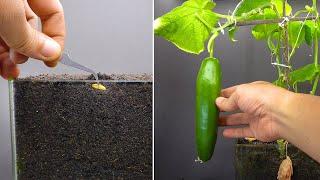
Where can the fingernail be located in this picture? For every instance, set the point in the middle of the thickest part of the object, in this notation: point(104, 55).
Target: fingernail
point(50, 48)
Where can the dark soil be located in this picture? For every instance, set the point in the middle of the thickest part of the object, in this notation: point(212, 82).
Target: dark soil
point(67, 130)
point(77, 77)
point(257, 160)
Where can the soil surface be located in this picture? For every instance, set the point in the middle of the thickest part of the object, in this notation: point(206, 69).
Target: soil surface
point(114, 77)
point(67, 130)
point(258, 160)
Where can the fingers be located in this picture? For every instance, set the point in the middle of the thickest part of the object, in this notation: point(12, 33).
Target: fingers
point(18, 58)
point(228, 100)
point(52, 20)
point(238, 132)
point(9, 69)
point(260, 82)
point(227, 104)
point(32, 20)
point(19, 34)
point(228, 91)
point(234, 119)
point(229, 97)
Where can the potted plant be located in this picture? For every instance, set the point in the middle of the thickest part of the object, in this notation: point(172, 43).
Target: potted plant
point(194, 24)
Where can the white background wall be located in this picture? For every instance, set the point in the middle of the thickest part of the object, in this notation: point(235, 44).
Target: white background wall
point(108, 36)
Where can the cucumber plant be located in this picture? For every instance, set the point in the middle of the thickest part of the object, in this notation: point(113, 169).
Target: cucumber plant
point(194, 26)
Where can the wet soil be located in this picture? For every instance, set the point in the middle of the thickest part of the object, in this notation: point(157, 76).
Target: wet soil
point(67, 130)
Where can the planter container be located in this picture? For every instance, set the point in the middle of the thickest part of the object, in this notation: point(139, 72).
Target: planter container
point(62, 128)
point(261, 161)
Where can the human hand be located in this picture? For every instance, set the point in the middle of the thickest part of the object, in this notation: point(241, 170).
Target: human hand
point(260, 105)
point(19, 38)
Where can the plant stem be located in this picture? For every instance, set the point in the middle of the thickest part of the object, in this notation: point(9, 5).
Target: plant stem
point(300, 12)
point(222, 15)
point(315, 85)
point(286, 45)
point(211, 44)
point(278, 56)
point(257, 22)
point(298, 37)
point(316, 49)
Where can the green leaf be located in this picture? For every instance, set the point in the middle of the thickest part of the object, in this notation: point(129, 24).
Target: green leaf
point(296, 33)
point(279, 7)
point(262, 32)
point(270, 43)
point(275, 9)
point(310, 28)
point(232, 33)
point(306, 73)
point(309, 32)
point(188, 26)
point(246, 6)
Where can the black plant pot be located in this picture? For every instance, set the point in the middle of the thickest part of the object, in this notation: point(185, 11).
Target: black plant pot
point(62, 128)
point(258, 160)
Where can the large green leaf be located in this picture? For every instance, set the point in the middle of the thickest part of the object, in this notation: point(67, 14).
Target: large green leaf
point(306, 73)
point(188, 26)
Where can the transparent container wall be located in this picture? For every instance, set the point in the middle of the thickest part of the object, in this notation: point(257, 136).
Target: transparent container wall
point(66, 129)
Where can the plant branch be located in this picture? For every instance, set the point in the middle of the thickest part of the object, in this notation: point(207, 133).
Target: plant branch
point(315, 4)
point(316, 49)
point(222, 15)
point(272, 21)
point(278, 57)
point(296, 43)
point(300, 12)
point(257, 22)
point(286, 44)
point(315, 85)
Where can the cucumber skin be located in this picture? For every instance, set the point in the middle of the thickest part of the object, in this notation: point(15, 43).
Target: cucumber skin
point(208, 88)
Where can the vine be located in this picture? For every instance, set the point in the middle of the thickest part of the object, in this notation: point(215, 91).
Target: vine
point(194, 23)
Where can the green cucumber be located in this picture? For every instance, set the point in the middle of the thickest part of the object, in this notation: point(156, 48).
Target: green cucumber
point(208, 88)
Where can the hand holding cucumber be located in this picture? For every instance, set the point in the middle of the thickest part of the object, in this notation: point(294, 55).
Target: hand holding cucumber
point(267, 113)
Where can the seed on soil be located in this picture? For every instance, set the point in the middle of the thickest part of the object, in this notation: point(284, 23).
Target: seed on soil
point(250, 139)
point(99, 86)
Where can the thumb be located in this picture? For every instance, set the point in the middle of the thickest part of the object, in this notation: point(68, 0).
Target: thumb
point(34, 44)
point(20, 36)
point(227, 104)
